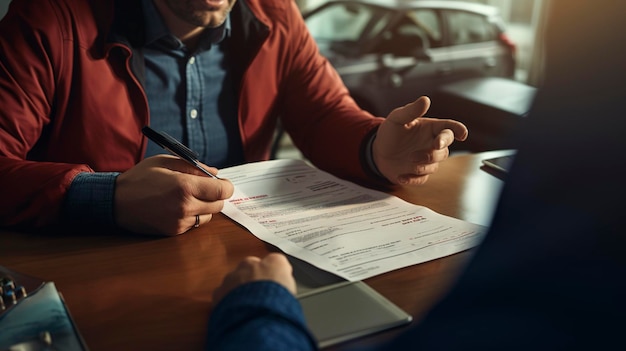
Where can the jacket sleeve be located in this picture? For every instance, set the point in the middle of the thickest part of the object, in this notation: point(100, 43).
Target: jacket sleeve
point(323, 120)
point(259, 316)
point(32, 40)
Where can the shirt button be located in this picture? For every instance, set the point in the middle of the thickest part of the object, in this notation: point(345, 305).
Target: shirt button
point(192, 60)
point(193, 113)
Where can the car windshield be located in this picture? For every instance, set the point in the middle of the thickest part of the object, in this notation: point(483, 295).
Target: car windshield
point(347, 23)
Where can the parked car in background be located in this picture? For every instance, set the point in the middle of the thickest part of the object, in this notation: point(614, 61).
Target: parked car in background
point(389, 52)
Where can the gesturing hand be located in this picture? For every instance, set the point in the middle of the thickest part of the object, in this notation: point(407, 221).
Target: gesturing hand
point(163, 195)
point(408, 147)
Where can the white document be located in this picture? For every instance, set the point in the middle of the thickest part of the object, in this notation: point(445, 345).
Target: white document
point(339, 226)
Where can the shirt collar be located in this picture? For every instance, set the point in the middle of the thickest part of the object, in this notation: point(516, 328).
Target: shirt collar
point(156, 30)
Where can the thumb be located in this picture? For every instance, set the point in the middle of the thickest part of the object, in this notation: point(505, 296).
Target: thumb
point(409, 112)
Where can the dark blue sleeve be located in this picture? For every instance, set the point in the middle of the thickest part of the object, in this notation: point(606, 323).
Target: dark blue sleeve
point(90, 198)
point(260, 315)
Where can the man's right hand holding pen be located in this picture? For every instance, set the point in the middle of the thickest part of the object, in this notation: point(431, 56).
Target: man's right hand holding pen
point(167, 195)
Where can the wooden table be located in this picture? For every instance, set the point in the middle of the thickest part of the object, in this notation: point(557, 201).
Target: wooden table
point(146, 293)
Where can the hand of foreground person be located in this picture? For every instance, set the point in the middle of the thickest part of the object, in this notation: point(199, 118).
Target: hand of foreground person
point(274, 267)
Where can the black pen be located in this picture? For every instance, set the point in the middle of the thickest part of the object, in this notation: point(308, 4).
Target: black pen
point(175, 147)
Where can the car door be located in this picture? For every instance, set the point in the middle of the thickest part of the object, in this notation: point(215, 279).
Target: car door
point(413, 61)
point(344, 32)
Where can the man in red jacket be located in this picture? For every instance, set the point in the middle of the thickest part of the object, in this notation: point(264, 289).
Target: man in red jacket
point(80, 78)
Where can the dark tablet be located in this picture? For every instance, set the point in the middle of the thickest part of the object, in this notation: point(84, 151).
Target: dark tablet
point(502, 163)
point(348, 310)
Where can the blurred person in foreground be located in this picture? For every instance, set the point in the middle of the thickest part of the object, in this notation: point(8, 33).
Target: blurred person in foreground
point(80, 78)
point(550, 274)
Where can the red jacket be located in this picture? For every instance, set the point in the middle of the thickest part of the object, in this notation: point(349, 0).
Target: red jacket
point(71, 96)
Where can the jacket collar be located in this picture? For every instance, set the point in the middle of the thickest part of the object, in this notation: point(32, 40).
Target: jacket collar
point(248, 34)
point(127, 28)
point(128, 24)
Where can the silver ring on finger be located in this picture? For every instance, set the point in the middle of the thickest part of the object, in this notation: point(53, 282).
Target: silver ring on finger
point(197, 224)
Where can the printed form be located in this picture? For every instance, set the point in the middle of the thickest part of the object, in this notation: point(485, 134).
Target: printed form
point(339, 226)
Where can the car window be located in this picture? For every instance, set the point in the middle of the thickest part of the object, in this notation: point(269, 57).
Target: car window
point(411, 34)
point(430, 24)
point(346, 22)
point(402, 39)
point(380, 22)
point(467, 28)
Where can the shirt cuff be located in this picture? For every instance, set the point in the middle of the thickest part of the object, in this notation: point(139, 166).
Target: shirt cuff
point(90, 198)
point(369, 157)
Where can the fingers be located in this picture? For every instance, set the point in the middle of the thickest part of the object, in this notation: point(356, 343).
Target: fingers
point(444, 131)
point(277, 260)
point(207, 196)
point(200, 219)
point(446, 137)
point(177, 164)
point(205, 188)
point(451, 130)
point(409, 146)
point(418, 174)
point(159, 196)
point(273, 267)
point(409, 179)
point(210, 189)
point(204, 195)
point(408, 113)
point(417, 169)
point(425, 161)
